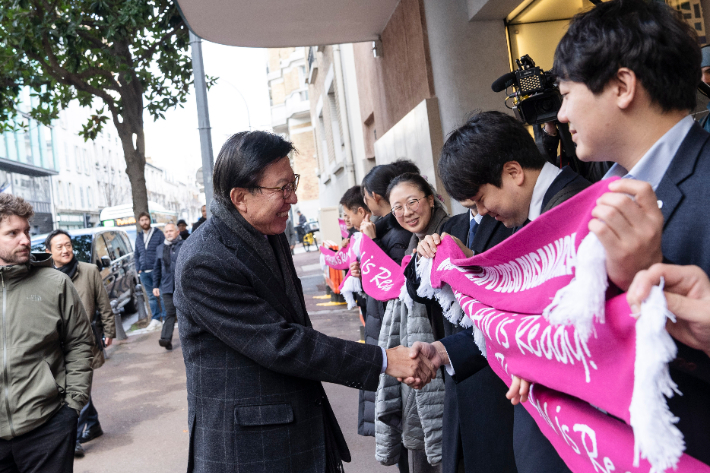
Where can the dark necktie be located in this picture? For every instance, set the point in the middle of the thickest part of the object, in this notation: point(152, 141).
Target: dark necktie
point(472, 232)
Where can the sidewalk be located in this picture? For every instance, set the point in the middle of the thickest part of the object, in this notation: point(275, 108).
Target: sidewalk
point(142, 401)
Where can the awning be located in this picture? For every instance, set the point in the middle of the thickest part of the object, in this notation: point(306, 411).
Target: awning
point(9, 165)
point(279, 23)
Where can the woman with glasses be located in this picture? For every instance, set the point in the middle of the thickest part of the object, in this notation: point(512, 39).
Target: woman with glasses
point(420, 422)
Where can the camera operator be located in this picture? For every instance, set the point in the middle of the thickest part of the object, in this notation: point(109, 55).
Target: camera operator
point(628, 71)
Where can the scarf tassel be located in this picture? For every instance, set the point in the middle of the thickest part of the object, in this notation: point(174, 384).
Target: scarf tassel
point(584, 297)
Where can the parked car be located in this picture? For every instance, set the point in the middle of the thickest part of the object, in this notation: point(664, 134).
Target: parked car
point(111, 251)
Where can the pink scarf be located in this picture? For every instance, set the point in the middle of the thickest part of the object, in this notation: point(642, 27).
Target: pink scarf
point(539, 309)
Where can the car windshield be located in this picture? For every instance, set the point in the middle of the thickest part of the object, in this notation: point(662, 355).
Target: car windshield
point(81, 244)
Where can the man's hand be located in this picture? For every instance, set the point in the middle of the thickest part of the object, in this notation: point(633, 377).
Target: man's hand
point(368, 228)
point(518, 391)
point(355, 269)
point(108, 341)
point(156, 292)
point(401, 366)
point(434, 352)
point(687, 291)
point(629, 224)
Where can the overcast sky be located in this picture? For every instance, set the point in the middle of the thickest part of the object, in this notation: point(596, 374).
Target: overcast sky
point(174, 143)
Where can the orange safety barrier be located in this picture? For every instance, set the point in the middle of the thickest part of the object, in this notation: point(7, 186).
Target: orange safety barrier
point(334, 277)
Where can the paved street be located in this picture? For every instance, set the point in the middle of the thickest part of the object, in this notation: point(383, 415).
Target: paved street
point(141, 399)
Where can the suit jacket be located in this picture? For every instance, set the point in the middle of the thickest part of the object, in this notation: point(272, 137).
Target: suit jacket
point(490, 423)
point(685, 199)
point(253, 365)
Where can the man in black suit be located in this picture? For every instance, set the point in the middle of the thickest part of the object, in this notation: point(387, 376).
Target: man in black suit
point(254, 363)
point(628, 74)
point(491, 163)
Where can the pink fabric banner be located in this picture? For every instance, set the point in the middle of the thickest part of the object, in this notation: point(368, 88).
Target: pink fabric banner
point(618, 364)
point(343, 228)
point(382, 277)
point(337, 260)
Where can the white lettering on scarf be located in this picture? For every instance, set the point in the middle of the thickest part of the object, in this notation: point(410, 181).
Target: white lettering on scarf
point(527, 272)
point(383, 279)
point(551, 342)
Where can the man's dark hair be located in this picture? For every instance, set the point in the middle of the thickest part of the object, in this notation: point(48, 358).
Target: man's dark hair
point(474, 153)
point(378, 179)
point(243, 160)
point(144, 214)
point(14, 205)
point(48, 240)
point(352, 199)
point(648, 37)
point(410, 178)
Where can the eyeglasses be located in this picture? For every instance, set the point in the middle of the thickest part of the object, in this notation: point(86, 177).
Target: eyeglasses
point(412, 205)
point(287, 190)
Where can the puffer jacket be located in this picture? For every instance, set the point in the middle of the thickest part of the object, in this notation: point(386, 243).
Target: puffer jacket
point(88, 283)
point(393, 240)
point(45, 346)
point(403, 415)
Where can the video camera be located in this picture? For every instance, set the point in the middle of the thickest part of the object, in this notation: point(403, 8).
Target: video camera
point(536, 99)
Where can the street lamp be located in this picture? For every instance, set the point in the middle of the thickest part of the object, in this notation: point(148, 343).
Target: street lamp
point(243, 99)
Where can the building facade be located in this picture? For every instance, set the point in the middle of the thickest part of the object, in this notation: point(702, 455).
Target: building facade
point(290, 118)
point(27, 164)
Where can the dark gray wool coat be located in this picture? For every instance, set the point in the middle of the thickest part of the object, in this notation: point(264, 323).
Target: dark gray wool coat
point(254, 363)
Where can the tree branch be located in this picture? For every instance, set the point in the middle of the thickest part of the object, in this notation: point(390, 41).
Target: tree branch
point(148, 53)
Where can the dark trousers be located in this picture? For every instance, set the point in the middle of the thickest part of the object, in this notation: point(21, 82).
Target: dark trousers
point(170, 315)
point(88, 418)
point(533, 452)
point(48, 449)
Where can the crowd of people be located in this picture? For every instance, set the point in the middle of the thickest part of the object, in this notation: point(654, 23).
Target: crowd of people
point(627, 70)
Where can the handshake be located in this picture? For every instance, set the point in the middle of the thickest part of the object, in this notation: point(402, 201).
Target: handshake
point(416, 366)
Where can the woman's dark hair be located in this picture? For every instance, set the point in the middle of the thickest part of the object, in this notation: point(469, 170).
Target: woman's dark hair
point(243, 160)
point(648, 37)
point(474, 153)
point(352, 199)
point(410, 178)
point(48, 240)
point(379, 177)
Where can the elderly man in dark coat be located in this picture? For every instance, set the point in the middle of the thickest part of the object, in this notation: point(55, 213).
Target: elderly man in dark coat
point(254, 363)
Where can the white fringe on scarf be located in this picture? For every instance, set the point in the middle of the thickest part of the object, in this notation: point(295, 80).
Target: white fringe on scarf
point(656, 438)
point(585, 296)
point(351, 286)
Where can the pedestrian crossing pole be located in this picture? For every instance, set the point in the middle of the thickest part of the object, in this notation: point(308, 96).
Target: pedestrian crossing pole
point(203, 117)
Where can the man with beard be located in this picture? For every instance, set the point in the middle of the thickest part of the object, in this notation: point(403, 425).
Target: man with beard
point(147, 242)
point(46, 348)
point(88, 283)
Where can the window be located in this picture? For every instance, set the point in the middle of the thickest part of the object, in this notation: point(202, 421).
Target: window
point(81, 197)
point(70, 196)
point(77, 157)
point(100, 251)
point(89, 198)
point(116, 245)
point(82, 247)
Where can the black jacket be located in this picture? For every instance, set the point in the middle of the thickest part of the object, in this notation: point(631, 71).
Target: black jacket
point(164, 273)
point(255, 401)
point(145, 257)
point(685, 199)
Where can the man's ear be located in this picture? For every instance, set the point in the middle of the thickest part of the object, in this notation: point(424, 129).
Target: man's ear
point(625, 87)
point(238, 197)
point(361, 211)
point(514, 171)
